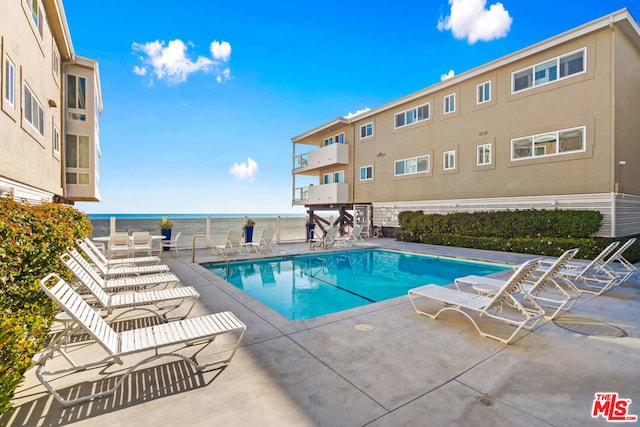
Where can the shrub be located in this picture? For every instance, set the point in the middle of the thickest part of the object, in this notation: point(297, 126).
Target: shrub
point(526, 224)
point(31, 239)
point(547, 233)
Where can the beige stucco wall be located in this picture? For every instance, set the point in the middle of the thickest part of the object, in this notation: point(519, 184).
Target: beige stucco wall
point(627, 114)
point(26, 156)
point(581, 100)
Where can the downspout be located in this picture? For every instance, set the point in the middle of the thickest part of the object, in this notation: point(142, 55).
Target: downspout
point(63, 127)
point(612, 120)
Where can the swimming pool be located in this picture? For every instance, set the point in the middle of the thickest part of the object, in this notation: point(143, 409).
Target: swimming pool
point(307, 286)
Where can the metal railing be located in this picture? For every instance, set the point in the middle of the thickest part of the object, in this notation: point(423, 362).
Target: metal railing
point(193, 245)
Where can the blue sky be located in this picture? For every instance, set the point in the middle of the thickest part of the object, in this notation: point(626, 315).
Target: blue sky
point(201, 98)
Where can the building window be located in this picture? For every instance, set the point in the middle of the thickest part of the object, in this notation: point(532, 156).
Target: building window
point(548, 144)
point(366, 131)
point(412, 115)
point(484, 154)
point(484, 92)
point(56, 63)
point(9, 81)
point(449, 160)
point(338, 139)
point(33, 111)
point(76, 92)
point(334, 177)
point(411, 166)
point(549, 71)
point(366, 173)
point(450, 103)
point(77, 158)
point(36, 15)
point(56, 140)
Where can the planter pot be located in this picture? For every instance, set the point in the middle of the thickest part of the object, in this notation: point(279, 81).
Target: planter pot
point(167, 236)
point(248, 234)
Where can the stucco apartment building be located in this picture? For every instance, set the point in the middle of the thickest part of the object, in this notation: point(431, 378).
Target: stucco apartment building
point(50, 103)
point(554, 125)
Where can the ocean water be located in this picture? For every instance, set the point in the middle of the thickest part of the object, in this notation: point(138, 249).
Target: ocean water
point(290, 227)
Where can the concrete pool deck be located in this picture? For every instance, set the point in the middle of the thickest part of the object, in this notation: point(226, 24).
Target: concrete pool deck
point(377, 365)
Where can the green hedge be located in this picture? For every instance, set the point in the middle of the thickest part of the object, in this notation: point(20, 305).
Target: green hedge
point(31, 240)
point(547, 233)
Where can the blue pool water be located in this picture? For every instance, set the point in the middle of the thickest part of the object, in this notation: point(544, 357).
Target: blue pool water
point(306, 286)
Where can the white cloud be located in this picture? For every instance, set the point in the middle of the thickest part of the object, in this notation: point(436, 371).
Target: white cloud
point(225, 75)
point(220, 51)
point(141, 71)
point(469, 19)
point(171, 61)
point(244, 171)
point(350, 115)
point(450, 74)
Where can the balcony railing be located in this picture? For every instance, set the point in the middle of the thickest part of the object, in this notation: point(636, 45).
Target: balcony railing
point(323, 194)
point(334, 154)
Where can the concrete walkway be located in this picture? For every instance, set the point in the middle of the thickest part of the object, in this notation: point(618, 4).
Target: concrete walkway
point(378, 365)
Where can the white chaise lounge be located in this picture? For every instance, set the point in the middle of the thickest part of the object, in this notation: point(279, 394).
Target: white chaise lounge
point(502, 307)
point(159, 302)
point(192, 335)
point(548, 289)
point(121, 283)
point(121, 270)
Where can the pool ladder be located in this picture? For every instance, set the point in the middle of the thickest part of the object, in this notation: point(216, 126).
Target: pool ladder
point(193, 245)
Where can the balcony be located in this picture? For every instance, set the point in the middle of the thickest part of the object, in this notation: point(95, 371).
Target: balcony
point(324, 194)
point(334, 154)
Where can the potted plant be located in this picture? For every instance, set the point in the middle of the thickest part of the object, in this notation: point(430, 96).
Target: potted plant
point(247, 229)
point(165, 225)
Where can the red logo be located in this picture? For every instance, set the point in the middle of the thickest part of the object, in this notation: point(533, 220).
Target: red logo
point(612, 409)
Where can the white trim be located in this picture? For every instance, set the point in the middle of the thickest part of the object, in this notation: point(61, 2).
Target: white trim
point(360, 173)
point(417, 120)
point(618, 17)
point(445, 99)
point(364, 126)
point(56, 140)
point(484, 98)
point(557, 153)
point(12, 101)
point(478, 147)
point(426, 156)
point(33, 98)
point(557, 79)
point(444, 160)
point(25, 193)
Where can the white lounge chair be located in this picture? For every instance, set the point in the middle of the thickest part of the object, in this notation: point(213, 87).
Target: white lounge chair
point(159, 302)
point(120, 270)
point(616, 264)
point(328, 239)
point(353, 237)
point(122, 283)
point(194, 334)
point(502, 306)
point(172, 244)
point(265, 241)
point(232, 243)
point(88, 246)
point(592, 277)
point(548, 289)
